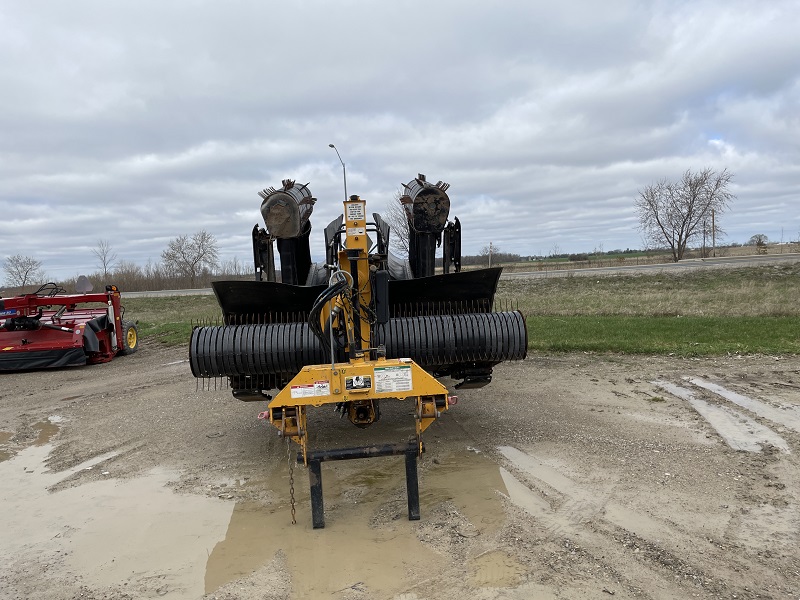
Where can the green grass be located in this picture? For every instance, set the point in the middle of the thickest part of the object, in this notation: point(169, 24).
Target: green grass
point(700, 313)
point(704, 312)
point(169, 320)
point(684, 336)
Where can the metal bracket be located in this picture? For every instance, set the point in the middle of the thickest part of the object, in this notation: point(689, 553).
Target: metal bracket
point(315, 459)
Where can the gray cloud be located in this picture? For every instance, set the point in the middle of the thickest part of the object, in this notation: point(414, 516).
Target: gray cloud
point(138, 122)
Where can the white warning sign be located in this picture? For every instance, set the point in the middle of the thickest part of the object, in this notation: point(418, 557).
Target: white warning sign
point(303, 391)
point(309, 390)
point(393, 379)
point(355, 211)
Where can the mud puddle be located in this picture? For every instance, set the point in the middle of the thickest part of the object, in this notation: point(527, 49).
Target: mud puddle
point(45, 430)
point(495, 569)
point(139, 536)
point(368, 544)
point(133, 532)
point(5, 437)
point(39, 434)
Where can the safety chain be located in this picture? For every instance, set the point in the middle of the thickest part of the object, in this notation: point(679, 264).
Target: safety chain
point(291, 479)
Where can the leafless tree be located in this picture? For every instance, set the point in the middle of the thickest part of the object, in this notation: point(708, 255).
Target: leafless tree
point(487, 252)
point(398, 222)
point(758, 239)
point(106, 256)
point(674, 213)
point(234, 267)
point(23, 270)
point(188, 256)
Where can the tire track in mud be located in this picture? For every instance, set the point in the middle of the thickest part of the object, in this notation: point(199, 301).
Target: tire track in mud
point(738, 430)
point(768, 520)
point(649, 555)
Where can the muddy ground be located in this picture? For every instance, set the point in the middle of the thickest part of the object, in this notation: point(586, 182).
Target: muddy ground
point(570, 476)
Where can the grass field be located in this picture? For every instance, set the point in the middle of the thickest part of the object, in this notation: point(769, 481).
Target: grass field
point(705, 312)
point(714, 311)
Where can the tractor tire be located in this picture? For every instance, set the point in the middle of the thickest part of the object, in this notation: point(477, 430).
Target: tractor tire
point(130, 338)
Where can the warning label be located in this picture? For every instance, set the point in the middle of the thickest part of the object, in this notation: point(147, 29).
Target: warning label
point(355, 211)
point(309, 390)
point(303, 391)
point(393, 379)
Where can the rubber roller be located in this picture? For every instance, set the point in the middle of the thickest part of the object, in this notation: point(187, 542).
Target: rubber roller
point(433, 342)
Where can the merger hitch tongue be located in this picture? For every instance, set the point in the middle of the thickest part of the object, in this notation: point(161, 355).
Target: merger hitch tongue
point(315, 459)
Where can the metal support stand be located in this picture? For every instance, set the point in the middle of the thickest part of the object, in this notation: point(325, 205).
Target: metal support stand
point(316, 458)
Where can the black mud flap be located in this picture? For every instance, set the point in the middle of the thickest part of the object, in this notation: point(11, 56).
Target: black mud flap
point(42, 359)
point(466, 291)
point(254, 298)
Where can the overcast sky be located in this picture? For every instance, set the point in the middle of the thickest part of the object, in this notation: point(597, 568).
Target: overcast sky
point(136, 122)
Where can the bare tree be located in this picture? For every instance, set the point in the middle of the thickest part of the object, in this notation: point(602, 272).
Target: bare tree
point(188, 256)
point(398, 222)
point(235, 267)
point(106, 256)
point(487, 252)
point(674, 213)
point(23, 270)
point(760, 241)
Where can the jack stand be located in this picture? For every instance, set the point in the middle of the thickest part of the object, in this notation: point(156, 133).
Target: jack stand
point(315, 460)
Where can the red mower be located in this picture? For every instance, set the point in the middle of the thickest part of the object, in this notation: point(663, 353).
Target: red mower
point(48, 328)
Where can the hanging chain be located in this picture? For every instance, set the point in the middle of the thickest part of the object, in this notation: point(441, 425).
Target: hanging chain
point(291, 479)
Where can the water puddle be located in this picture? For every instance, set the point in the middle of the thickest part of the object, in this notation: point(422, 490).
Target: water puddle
point(473, 483)
point(5, 436)
point(111, 531)
point(367, 545)
point(347, 554)
point(139, 536)
point(45, 430)
point(495, 569)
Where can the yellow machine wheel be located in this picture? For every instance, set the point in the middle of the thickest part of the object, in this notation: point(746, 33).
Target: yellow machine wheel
point(130, 338)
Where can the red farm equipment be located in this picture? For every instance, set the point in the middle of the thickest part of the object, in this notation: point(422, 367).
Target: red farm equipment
point(48, 328)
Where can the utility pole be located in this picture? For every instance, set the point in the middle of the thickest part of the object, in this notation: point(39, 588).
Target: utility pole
point(490, 254)
point(713, 235)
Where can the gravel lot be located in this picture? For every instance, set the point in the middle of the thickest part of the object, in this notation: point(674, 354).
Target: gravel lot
point(570, 476)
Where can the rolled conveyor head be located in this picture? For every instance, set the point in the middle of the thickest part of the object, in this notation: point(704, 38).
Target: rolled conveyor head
point(443, 344)
point(287, 210)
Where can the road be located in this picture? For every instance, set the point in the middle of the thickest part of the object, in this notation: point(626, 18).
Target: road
point(570, 476)
point(684, 265)
point(693, 264)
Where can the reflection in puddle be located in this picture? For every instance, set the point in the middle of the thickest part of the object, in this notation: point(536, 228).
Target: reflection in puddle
point(45, 430)
point(110, 531)
point(347, 552)
point(367, 541)
point(472, 482)
point(139, 534)
point(5, 436)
